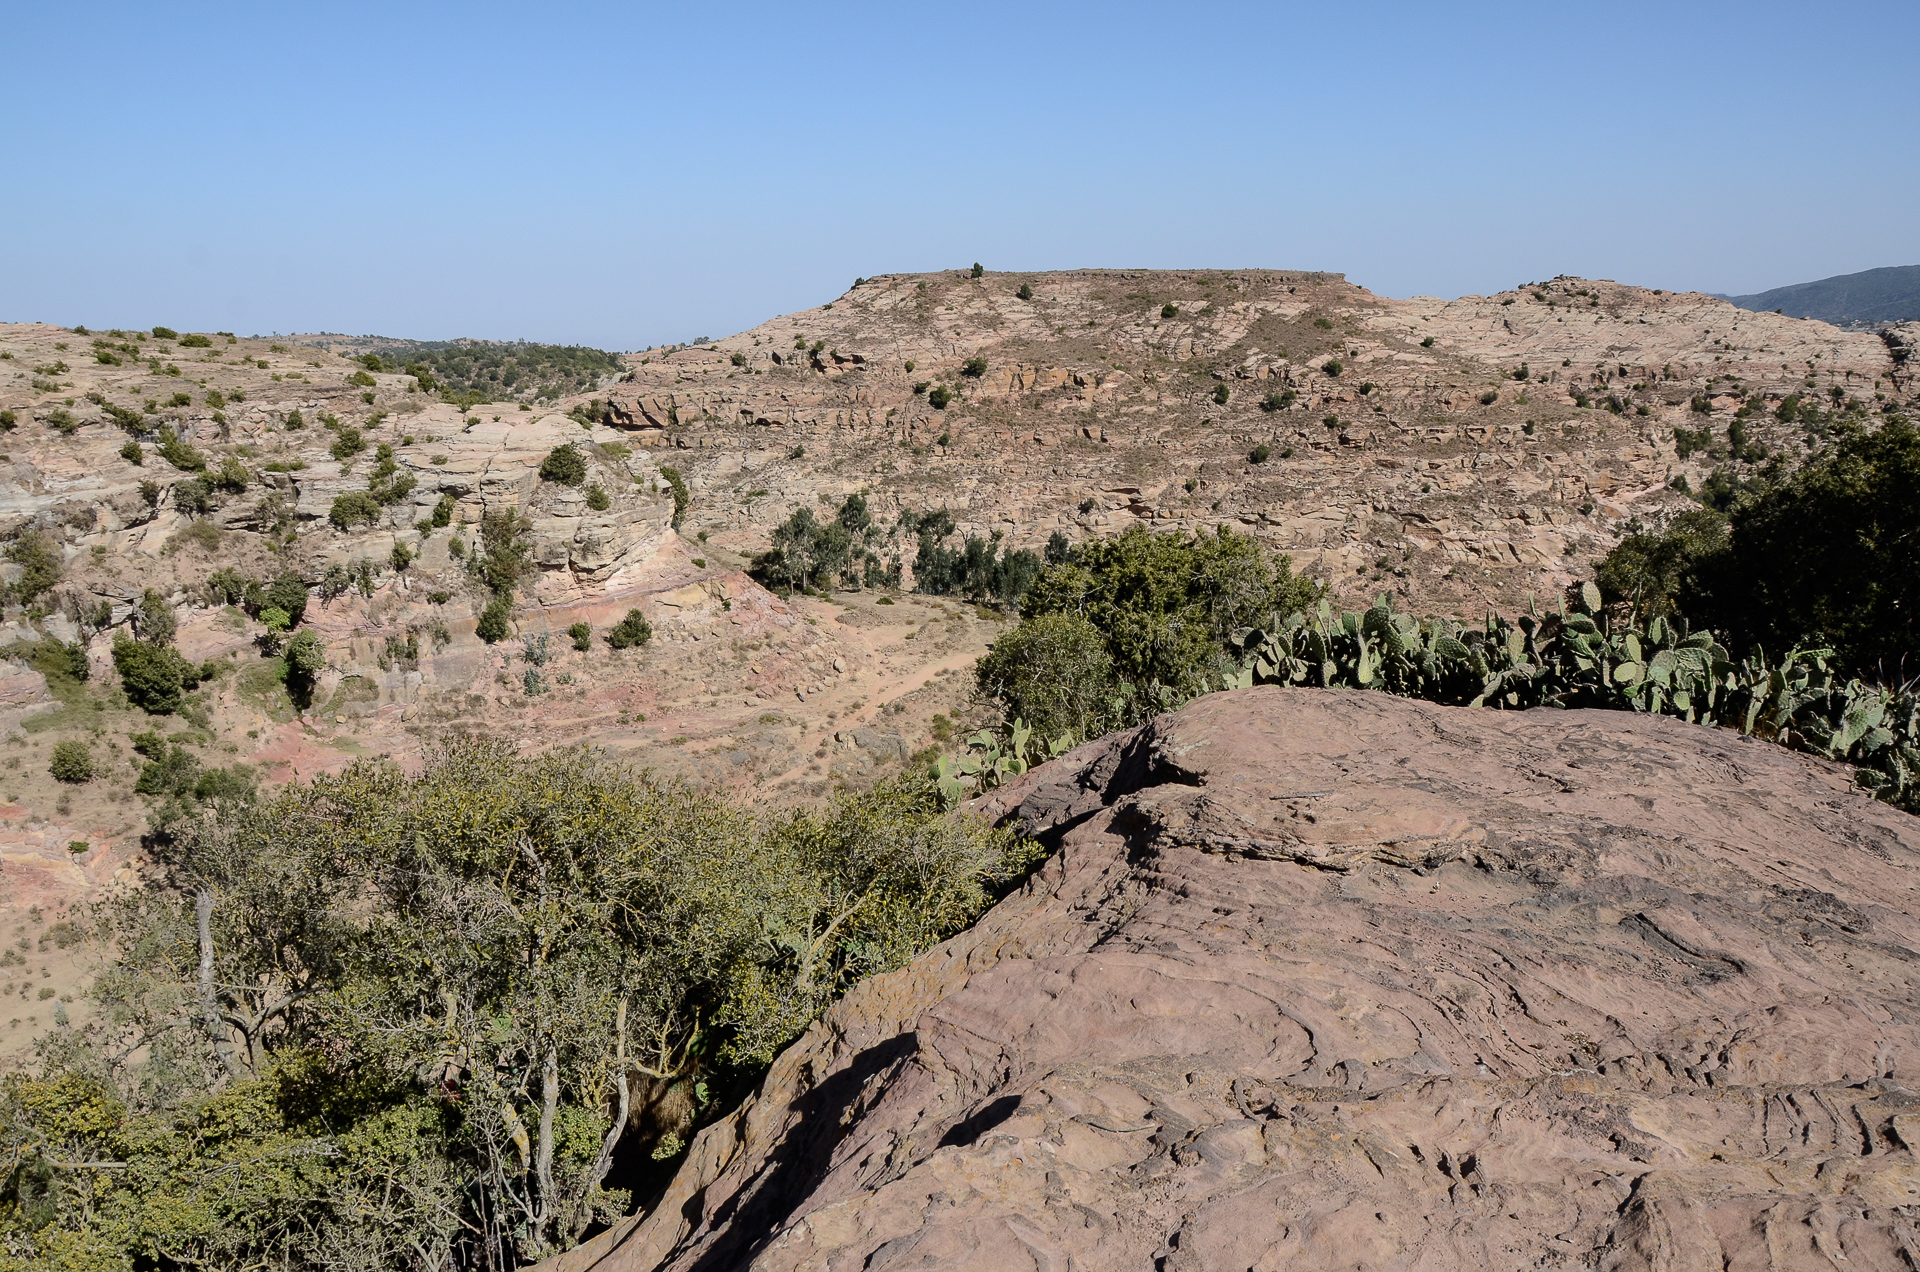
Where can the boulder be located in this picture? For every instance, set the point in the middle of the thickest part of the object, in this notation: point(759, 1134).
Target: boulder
point(1320, 979)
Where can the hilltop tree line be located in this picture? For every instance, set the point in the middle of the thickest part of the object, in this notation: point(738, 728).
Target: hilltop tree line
point(474, 371)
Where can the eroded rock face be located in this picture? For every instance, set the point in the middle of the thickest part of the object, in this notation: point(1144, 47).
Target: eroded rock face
point(1329, 980)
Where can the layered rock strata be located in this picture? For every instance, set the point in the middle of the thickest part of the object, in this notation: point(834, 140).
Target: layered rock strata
point(1328, 980)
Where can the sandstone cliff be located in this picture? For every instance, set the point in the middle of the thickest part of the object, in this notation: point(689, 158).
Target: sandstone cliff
point(1330, 980)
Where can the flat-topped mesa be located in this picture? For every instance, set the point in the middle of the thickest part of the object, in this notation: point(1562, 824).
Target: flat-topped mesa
point(1479, 449)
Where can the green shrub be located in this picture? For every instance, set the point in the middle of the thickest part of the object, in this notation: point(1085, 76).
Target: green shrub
point(1260, 454)
point(1333, 366)
point(630, 631)
point(8, 420)
point(1489, 397)
point(195, 341)
point(41, 565)
point(1169, 310)
point(72, 761)
point(443, 511)
point(1055, 673)
point(598, 499)
point(938, 397)
point(321, 892)
point(165, 333)
point(977, 270)
point(1168, 607)
point(974, 368)
point(1025, 293)
point(564, 464)
point(1221, 394)
point(1325, 324)
point(495, 623)
point(1819, 558)
point(1277, 400)
point(179, 453)
point(1427, 343)
point(347, 443)
point(582, 636)
point(361, 380)
point(63, 422)
point(132, 453)
point(155, 677)
point(306, 658)
point(356, 507)
point(681, 497)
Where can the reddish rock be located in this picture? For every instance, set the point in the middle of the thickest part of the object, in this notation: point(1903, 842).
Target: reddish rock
point(1332, 980)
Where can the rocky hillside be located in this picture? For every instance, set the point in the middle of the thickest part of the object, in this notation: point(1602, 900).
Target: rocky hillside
point(1461, 453)
point(161, 464)
point(1321, 979)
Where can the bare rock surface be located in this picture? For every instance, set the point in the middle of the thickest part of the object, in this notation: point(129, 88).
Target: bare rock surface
point(1320, 979)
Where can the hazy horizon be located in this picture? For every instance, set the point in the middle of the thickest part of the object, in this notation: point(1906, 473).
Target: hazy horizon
point(632, 176)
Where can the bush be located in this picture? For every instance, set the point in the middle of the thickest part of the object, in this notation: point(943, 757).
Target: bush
point(598, 499)
point(977, 269)
point(156, 678)
point(1427, 343)
point(974, 368)
point(443, 511)
point(41, 565)
point(1277, 400)
point(495, 623)
point(1054, 672)
point(347, 443)
point(564, 464)
point(1169, 310)
point(361, 380)
point(1025, 293)
point(8, 420)
point(1168, 608)
point(72, 761)
point(630, 631)
point(938, 397)
point(356, 507)
point(1260, 454)
point(582, 636)
point(329, 893)
point(1333, 366)
point(1489, 397)
point(1221, 394)
point(681, 497)
point(195, 341)
point(306, 658)
point(179, 454)
point(132, 453)
point(63, 422)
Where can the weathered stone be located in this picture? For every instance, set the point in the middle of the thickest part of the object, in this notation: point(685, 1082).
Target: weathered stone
point(1329, 980)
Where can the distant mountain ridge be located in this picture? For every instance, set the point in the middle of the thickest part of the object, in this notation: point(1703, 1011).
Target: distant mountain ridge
point(1889, 294)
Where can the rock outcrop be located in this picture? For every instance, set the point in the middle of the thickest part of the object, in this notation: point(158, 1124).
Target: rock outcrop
point(1331, 980)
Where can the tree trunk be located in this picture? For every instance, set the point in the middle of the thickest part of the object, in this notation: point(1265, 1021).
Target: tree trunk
point(209, 1003)
point(604, 1162)
point(543, 1161)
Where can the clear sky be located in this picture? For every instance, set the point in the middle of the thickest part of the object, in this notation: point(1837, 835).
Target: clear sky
point(627, 175)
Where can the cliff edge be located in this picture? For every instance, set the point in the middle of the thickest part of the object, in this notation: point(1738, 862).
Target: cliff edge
point(1324, 979)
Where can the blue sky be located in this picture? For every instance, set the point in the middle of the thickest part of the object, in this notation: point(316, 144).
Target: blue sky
point(635, 174)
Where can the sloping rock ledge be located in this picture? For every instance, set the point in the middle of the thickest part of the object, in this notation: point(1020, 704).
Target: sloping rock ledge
point(1335, 980)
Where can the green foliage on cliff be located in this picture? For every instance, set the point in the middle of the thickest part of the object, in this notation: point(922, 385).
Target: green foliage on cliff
point(453, 1019)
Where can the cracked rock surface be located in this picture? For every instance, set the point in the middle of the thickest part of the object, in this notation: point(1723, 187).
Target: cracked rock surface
point(1326, 979)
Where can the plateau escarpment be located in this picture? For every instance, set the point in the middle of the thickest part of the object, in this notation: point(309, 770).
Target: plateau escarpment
point(1460, 453)
point(1319, 979)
